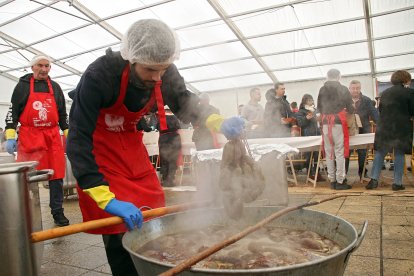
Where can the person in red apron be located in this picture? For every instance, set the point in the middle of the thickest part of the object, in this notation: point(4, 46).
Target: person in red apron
point(334, 101)
point(39, 106)
point(108, 157)
point(169, 143)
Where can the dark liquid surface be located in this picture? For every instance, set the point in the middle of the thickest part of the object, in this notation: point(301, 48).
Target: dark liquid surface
point(268, 247)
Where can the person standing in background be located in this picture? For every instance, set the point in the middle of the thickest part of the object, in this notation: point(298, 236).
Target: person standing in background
point(203, 137)
point(253, 113)
point(307, 121)
point(169, 144)
point(364, 112)
point(334, 102)
point(394, 132)
point(38, 104)
point(277, 114)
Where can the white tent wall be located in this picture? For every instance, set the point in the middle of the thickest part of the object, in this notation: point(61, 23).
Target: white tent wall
point(228, 100)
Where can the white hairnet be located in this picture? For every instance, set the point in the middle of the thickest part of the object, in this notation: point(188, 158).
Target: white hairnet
point(150, 41)
point(38, 58)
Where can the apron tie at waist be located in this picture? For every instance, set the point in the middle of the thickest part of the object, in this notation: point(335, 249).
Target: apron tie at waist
point(330, 120)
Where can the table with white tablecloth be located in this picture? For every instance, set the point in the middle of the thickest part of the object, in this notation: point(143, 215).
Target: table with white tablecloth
point(303, 144)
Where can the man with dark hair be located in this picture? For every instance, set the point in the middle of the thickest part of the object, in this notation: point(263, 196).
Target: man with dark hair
point(277, 115)
point(334, 101)
point(109, 160)
point(253, 113)
point(365, 111)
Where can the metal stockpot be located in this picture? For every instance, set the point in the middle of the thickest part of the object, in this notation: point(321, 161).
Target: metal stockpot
point(20, 215)
point(324, 224)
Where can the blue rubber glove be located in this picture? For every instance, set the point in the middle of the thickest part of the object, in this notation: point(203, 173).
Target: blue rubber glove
point(131, 214)
point(232, 127)
point(11, 146)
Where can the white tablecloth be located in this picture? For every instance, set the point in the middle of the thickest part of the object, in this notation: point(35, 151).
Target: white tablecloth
point(312, 143)
point(303, 144)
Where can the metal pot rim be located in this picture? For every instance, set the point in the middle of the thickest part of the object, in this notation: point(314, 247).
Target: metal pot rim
point(347, 250)
point(17, 167)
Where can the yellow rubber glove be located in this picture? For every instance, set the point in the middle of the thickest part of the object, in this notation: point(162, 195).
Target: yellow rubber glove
point(66, 132)
point(101, 194)
point(214, 122)
point(10, 133)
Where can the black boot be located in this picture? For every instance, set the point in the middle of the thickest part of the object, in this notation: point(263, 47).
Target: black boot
point(60, 219)
point(373, 184)
point(333, 185)
point(343, 185)
point(365, 174)
point(396, 187)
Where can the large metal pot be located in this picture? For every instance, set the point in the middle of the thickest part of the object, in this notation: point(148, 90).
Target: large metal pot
point(20, 215)
point(327, 225)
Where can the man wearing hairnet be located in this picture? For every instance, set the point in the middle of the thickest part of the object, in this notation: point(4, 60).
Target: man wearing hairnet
point(38, 104)
point(109, 160)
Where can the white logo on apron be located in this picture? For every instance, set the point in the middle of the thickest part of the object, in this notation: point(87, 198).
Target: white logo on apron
point(115, 123)
point(37, 105)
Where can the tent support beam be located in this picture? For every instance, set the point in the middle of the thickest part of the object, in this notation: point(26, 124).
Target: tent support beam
point(36, 52)
point(222, 13)
point(368, 29)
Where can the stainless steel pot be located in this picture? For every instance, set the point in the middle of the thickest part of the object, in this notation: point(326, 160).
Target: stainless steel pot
point(20, 215)
point(327, 225)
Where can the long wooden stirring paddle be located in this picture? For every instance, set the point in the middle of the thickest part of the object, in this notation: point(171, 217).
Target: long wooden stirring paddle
point(99, 223)
point(218, 246)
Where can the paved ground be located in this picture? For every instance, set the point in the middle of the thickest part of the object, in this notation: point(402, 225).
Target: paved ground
point(387, 249)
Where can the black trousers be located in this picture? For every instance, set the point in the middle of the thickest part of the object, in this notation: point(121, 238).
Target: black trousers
point(361, 159)
point(170, 147)
point(56, 196)
point(118, 258)
point(314, 161)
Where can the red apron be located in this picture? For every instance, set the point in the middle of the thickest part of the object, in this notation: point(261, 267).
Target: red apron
point(39, 137)
point(123, 159)
point(330, 118)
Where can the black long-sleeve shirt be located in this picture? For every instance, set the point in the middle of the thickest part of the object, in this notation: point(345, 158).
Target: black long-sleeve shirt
point(98, 89)
point(21, 94)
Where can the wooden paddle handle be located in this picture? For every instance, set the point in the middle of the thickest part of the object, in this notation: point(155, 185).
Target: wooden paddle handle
point(99, 223)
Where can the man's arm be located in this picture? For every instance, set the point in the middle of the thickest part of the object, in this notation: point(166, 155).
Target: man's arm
point(87, 102)
point(61, 106)
point(17, 104)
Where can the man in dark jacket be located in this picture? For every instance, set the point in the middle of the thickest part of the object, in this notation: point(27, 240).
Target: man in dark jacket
point(366, 112)
point(277, 115)
point(108, 157)
point(38, 104)
point(394, 131)
point(334, 101)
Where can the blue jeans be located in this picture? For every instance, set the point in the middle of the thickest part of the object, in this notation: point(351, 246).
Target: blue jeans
point(56, 195)
point(398, 165)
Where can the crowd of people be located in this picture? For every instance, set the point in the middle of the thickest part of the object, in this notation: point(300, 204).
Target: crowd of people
point(139, 88)
point(339, 113)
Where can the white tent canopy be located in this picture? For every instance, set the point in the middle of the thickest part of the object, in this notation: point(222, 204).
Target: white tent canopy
point(226, 43)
